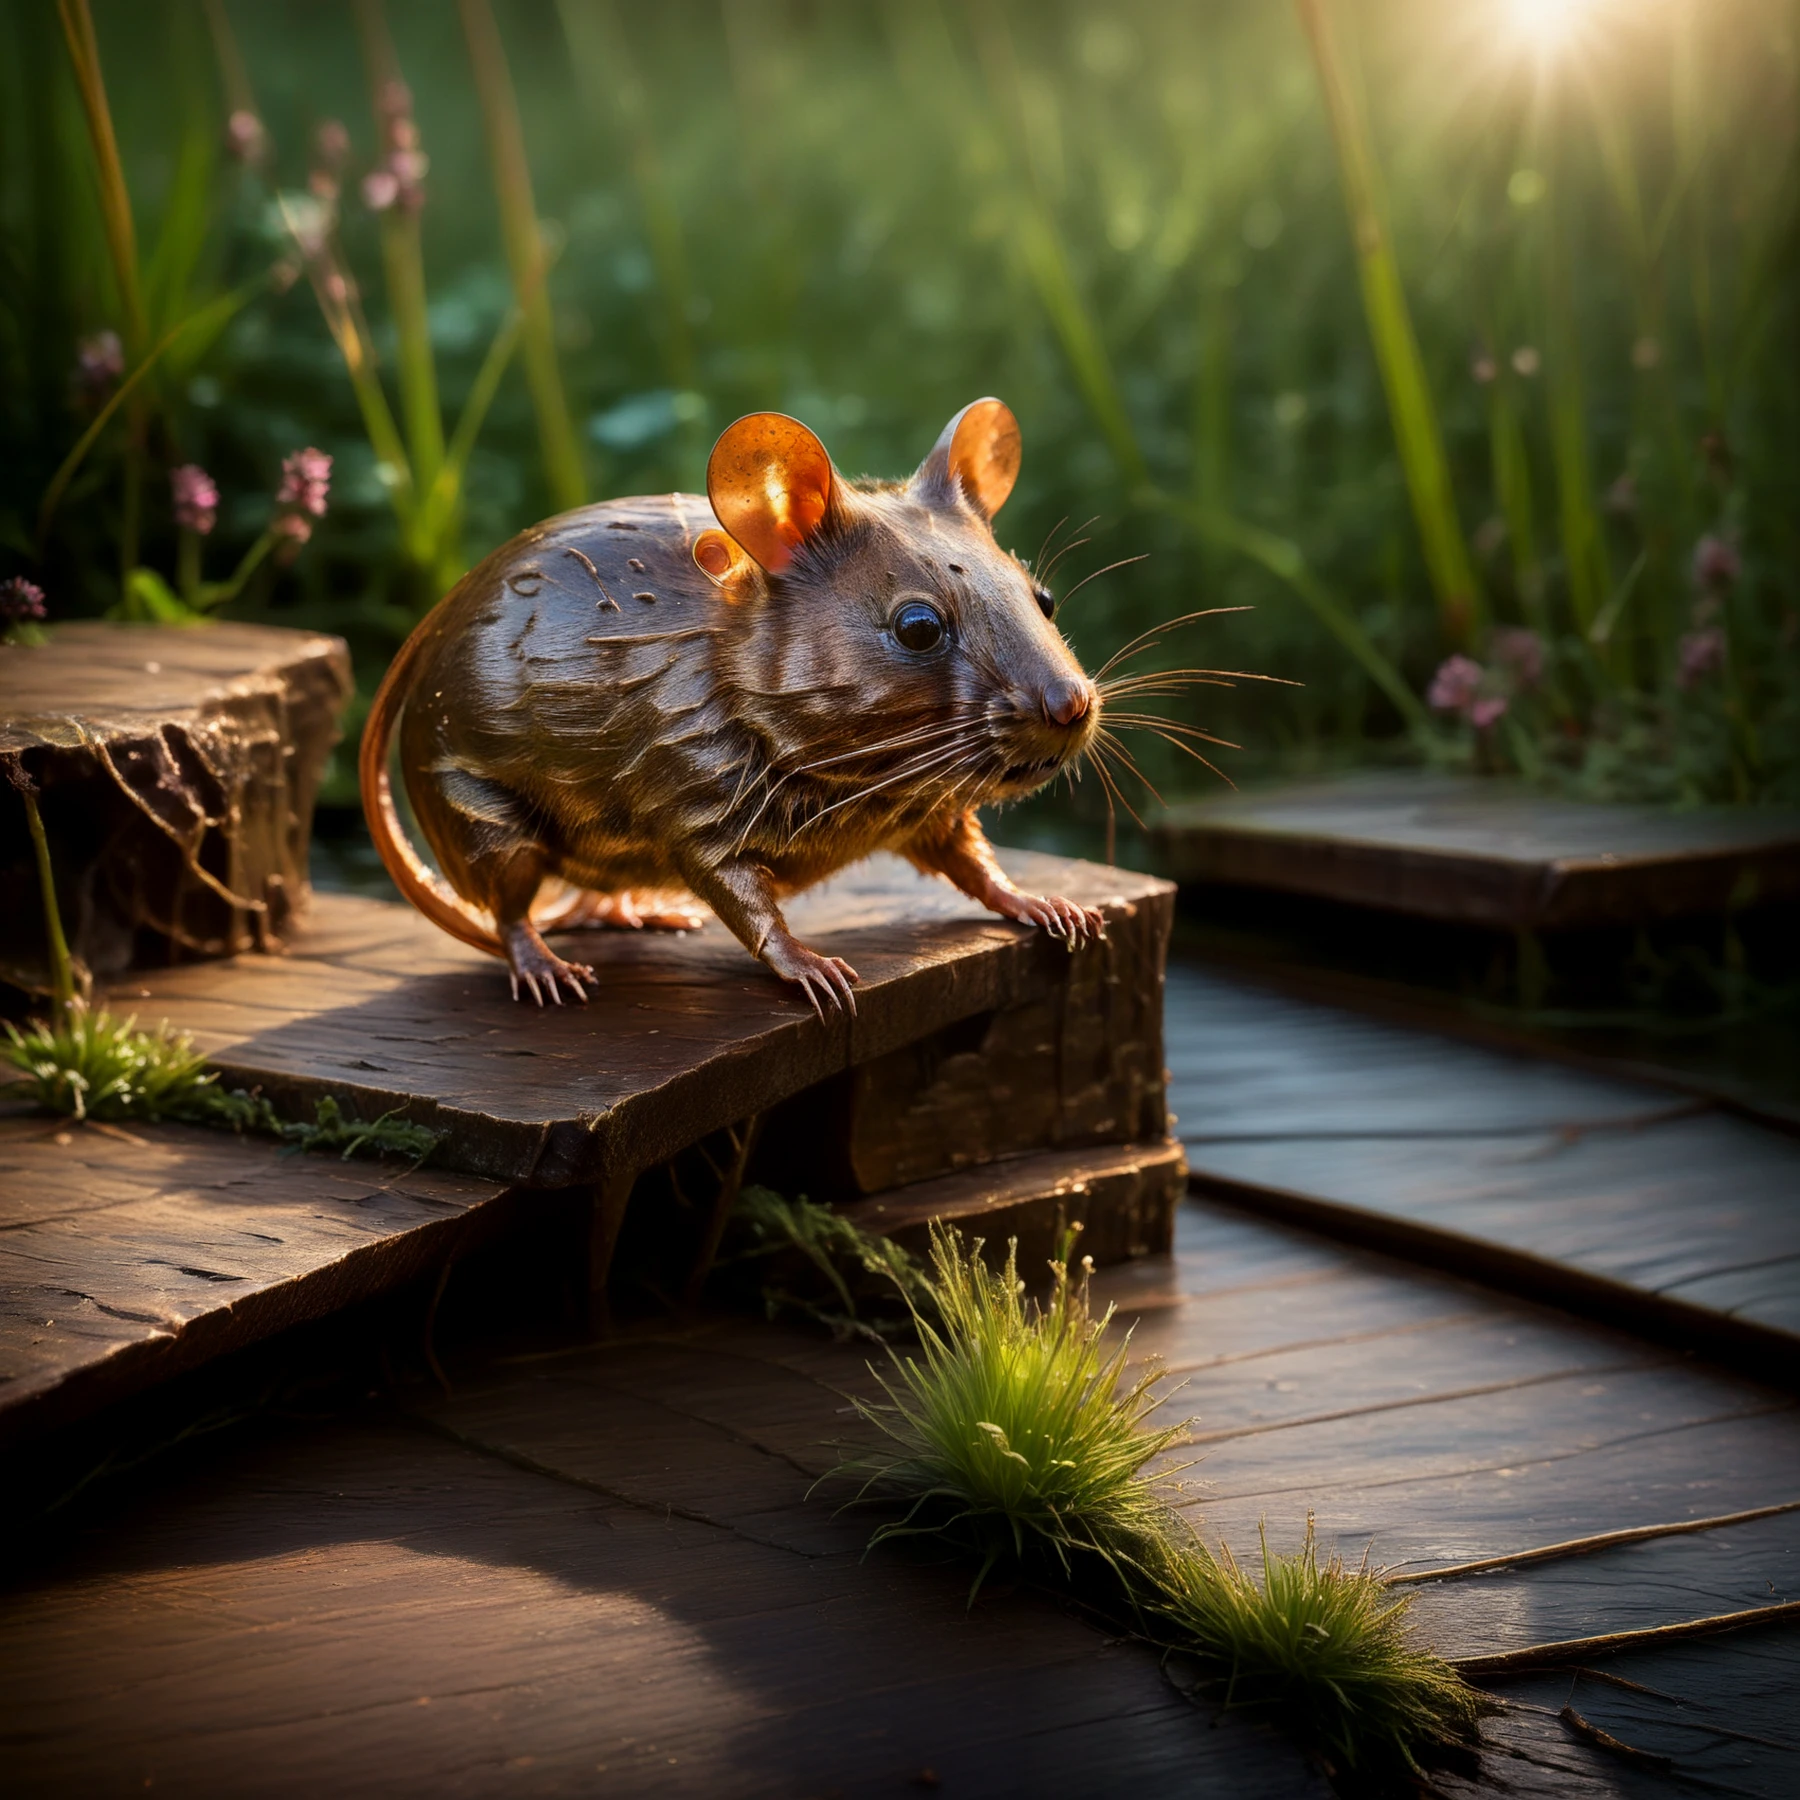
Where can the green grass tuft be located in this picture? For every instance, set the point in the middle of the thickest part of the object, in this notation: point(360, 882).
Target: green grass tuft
point(1318, 1648)
point(1014, 1434)
point(1010, 1432)
point(766, 1225)
point(91, 1065)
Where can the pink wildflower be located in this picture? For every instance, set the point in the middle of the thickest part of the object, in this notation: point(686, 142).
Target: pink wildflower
point(1487, 711)
point(294, 529)
point(1702, 653)
point(196, 498)
point(1522, 652)
point(305, 483)
point(99, 362)
point(380, 190)
point(1455, 685)
point(21, 601)
point(245, 138)
point(331, 145)
point(1716, 565)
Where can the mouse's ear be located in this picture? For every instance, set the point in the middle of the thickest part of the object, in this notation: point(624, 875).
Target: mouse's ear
point(979, 451)
point(771, 486)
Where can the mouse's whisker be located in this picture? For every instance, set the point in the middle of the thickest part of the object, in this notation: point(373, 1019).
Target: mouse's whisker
point(1114, 793)
point(915, 768)
point(1045, 573)
point(1142, 641)
point(1158, 729)
point(921, 734)
point(1156, 722)
point(1129, 761)
point(1124, 562)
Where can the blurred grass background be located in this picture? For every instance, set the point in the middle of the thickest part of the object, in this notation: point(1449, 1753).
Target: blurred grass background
point(1403, 322)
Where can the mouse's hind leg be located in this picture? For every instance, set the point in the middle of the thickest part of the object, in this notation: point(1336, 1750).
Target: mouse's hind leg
point(628, 909)
point(478, 833)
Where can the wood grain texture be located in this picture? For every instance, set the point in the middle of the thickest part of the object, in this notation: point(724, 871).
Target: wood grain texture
point(177, 772)
point(130, 1255)
point(1483, 852)
point(582, 1564)
point(683, 1035)
point(1123, 1196)
point(1597, 1194)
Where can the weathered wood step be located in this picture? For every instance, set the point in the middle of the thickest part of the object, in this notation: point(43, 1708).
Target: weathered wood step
point(129, 1255)
point(1123, 1195)
point(687, 1035)
point(177, 771)
point(1602, 1195)
point(1487, 852)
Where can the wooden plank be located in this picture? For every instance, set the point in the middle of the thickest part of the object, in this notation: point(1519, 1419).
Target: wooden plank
point(368, 1608)
point(1123, 1196)
point(1595, 1194)
point(1484, 852)
point(683, 1035)
point(177, 773)
point(128, 1256)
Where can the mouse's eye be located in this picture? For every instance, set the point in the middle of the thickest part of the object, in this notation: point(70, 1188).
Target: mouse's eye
point(1046, 601)
point(919, 626)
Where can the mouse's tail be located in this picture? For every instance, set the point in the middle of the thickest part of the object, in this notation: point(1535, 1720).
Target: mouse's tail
point(421, 885)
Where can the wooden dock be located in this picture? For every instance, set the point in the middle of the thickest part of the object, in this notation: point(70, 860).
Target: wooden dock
point(599, 1570)
point(1626, 1202)
point(989, 1073)
point(1477, 851)
point(601, 1566)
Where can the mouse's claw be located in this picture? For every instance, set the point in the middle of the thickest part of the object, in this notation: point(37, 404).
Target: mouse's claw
point(533, 963)
point(821, 978)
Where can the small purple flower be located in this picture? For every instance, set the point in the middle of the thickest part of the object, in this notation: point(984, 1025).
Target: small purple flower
point(331, 145)
point(380, 189)
point(1702, 653)
point(1522, 652)
point(245, 138)
point(99, 362)
point(21, 601)
point(1716, 565)
point(1487, 711)
point(305, 484)
point(196, 498)
point(1455, 685)
point(294, 529)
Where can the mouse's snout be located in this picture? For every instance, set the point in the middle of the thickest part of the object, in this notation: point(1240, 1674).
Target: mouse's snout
point(1067, 699)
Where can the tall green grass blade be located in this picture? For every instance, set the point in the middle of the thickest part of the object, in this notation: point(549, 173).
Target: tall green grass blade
point(525, 254)
point(62, 964)
point(1511, 464)
point(613, 87)
point(1410, 406)
point(109, 172)
point(445, 498)
point(1586, 565)
point(186, 222)
point(1285, 560)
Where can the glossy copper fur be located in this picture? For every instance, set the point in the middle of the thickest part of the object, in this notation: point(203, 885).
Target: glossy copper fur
point(590, 705)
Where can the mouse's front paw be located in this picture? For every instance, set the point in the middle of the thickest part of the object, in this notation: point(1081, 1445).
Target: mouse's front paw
point(827, 977)
point(1062, 918)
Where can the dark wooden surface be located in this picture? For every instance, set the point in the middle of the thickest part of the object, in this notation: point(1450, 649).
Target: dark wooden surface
point(1483, 852)
point(177, 771)
point(598, 1571)
point(1123, 1195)
point(684, 1035)
point(1595, 1192)
point(128, 1255)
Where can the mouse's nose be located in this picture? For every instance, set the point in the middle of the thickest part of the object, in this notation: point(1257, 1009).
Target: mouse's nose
point(1067, 700)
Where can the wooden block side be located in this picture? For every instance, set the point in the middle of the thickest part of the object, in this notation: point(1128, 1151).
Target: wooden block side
point(1124, 1198)
point(178, 773)
point(1080, 1062)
